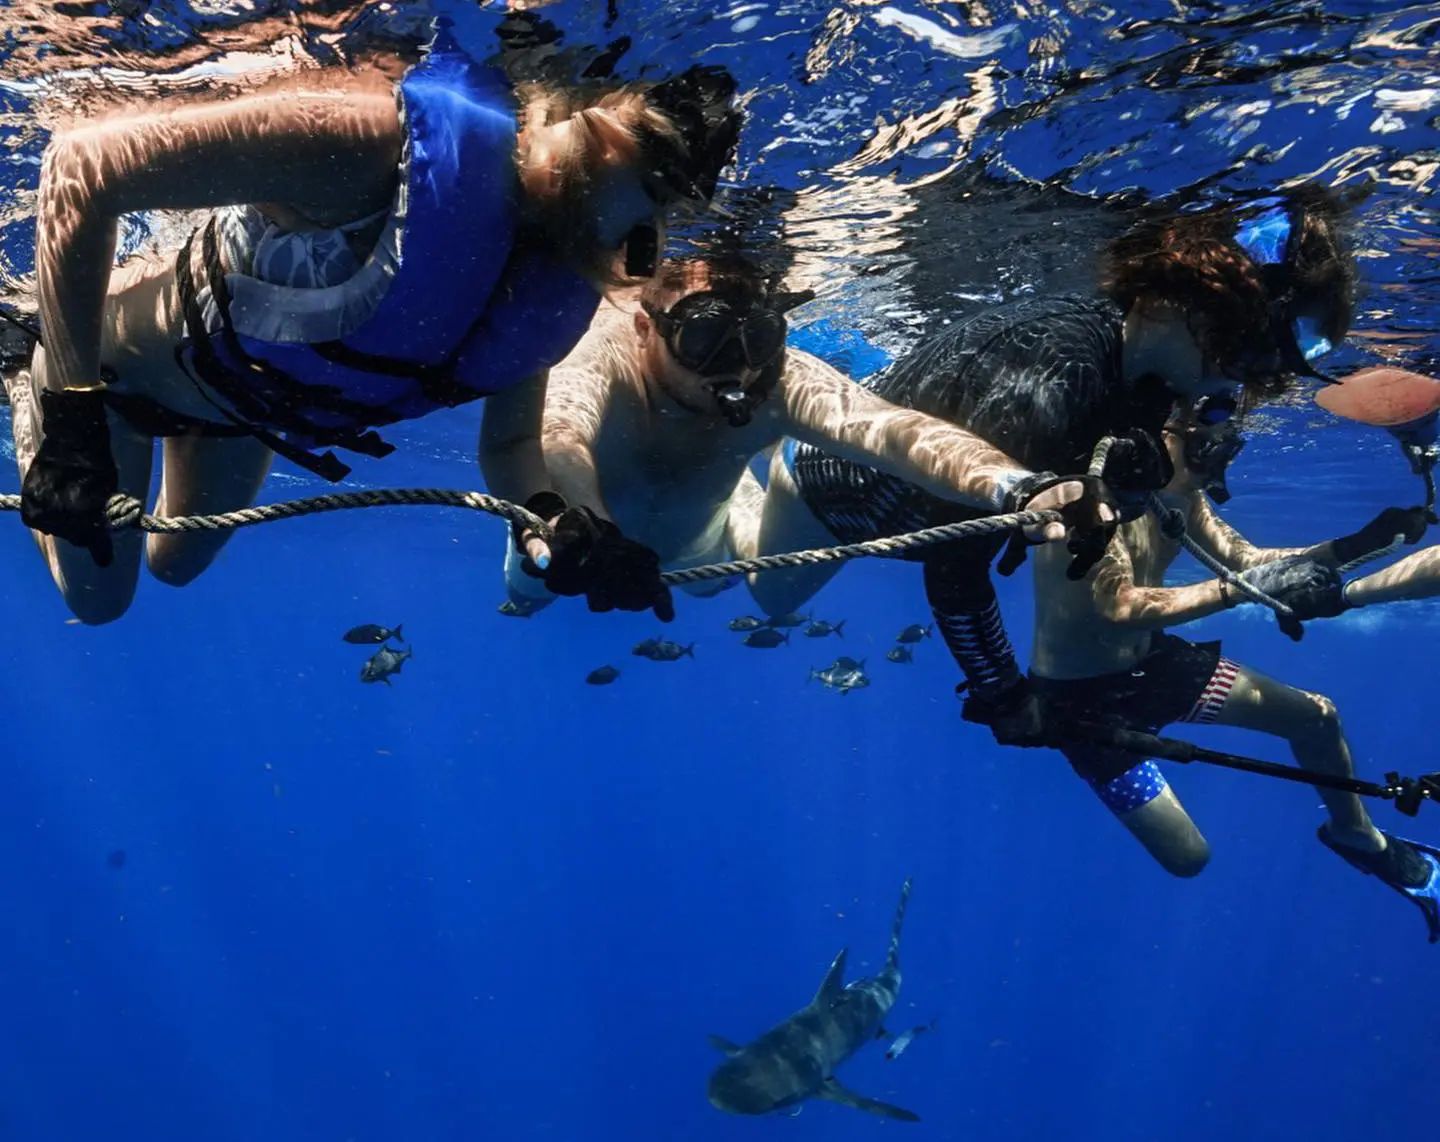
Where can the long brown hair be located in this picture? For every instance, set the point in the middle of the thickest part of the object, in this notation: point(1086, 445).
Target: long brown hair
point(1191, 261)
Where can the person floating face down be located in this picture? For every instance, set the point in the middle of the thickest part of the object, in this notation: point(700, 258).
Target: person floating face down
point(290, 323)
point(651, 423)
point(1104, 659)
point(1191, 303)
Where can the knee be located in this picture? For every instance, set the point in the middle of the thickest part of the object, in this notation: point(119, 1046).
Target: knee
point(177, 563)
point(1316, 719)
point(1186, 861)
point(95, 605)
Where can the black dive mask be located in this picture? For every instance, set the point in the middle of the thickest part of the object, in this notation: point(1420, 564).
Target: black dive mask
point(700, 104)
point(1212, 441)
point(716, 332)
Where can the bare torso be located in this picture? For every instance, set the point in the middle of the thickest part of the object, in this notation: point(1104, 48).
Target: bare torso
point(1073, 637)
point(666, 474)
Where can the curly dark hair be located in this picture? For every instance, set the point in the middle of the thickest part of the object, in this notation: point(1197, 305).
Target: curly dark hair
point(1191, 261)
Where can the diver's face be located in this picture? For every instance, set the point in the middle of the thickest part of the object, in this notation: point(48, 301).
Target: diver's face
point(704, 341)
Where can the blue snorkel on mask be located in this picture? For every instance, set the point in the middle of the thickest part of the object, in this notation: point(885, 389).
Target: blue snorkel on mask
point(1268, 239)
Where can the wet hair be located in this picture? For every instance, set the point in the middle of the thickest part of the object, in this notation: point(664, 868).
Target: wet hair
point(569, 140)
point(677, 134)
point(1192, 262)
point(728, 272)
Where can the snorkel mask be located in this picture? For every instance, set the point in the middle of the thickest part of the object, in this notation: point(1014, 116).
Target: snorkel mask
point(720, 332)
point(1270, 240)
point(1212, 441)
point(699, 102)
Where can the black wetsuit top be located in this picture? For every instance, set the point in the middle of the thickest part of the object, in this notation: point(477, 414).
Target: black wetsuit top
point(1040, 378)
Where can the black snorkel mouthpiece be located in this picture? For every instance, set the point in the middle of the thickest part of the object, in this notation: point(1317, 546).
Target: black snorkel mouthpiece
point(735, 403)
point(642, 252)
point(1209, 452)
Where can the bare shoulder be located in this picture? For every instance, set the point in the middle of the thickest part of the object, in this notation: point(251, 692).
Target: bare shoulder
point(603, 361)
point(807, 370)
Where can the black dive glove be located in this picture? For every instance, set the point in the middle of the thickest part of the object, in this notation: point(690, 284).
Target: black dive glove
point(1137, 464)
point(1313, 590)
point(1393, 525)
point(1014, 713)
point(73, 476)
point(589, 556)
point(1087, 532)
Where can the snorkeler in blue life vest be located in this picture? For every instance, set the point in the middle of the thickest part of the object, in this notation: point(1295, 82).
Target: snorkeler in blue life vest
point(377, 248)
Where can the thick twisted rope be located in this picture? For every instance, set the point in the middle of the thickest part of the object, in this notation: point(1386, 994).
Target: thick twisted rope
point(126, 512)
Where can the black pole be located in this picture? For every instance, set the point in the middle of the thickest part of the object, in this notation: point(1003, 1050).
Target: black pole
point(1173, 749)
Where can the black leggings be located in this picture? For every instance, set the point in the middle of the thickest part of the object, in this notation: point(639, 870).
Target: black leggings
point(857, 503)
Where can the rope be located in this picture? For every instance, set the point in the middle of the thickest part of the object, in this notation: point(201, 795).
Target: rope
point(125, 512)
point(1173, 521)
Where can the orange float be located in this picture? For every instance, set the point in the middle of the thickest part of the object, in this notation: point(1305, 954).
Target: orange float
point(1382, 396)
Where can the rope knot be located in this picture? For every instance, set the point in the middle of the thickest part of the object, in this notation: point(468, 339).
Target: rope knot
point(124, 512)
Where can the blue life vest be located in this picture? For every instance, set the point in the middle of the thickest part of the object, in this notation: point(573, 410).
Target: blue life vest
point(465, 313)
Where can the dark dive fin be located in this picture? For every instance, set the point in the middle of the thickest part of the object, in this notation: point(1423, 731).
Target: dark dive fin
point(833, 1091)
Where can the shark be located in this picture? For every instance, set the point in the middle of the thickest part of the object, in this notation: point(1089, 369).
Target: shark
point(796, 1059)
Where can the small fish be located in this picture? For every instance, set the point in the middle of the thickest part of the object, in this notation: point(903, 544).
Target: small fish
point(905, 1038)
point(513, 610)
point(844, 674)
point(746, 622)
point(664, 651)
point(820, 628)
point(646, 648)
point(369, 634)
point(780, 622)
point(901, 653)
point(602, 676)
point(765, 638)
point(914, 633)
point(383, 663)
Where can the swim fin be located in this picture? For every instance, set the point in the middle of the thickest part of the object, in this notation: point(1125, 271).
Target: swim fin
point(1410, 868)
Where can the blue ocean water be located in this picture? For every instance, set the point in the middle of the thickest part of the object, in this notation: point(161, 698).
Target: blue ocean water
point(493, 902)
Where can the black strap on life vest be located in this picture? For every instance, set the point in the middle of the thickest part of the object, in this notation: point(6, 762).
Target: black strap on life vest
point(264, 394)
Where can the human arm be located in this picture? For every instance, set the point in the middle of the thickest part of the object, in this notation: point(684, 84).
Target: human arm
point(1417, 576)
point(333, 151)
point(1121, 601)
point(823, 407)
point(1227, 546)
point(319, 150)
point(587, 555)
point(575, 410)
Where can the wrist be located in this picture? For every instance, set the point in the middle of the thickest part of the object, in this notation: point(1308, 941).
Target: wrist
point(1015, 487)
point(1005, 483)
point(1229, 596)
